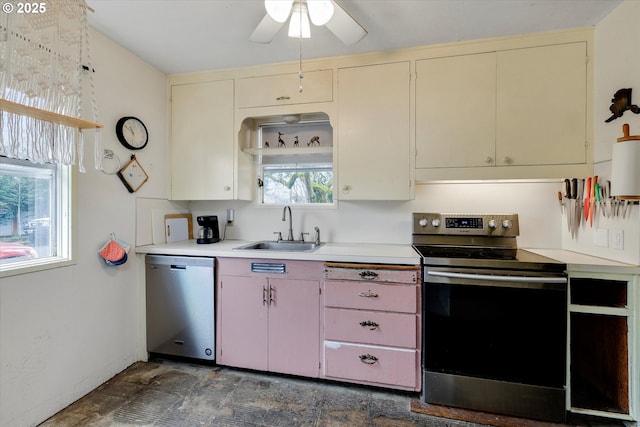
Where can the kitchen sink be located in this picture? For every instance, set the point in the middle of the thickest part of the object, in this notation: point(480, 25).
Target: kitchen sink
point(282, 245)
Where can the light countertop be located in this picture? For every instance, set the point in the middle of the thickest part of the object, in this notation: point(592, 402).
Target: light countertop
point(580, 262)
point(335, 252)
point(370, 253)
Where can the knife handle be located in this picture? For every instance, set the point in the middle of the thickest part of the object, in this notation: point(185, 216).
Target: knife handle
point(567, 188)
point(574, 188)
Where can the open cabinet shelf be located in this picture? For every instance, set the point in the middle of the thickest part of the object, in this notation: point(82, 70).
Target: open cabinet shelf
point(288, 151)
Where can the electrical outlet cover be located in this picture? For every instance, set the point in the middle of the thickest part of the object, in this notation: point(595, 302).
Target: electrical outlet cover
point(618, 239)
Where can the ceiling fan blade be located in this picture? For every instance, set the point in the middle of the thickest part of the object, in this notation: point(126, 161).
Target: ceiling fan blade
point(344, 26)
point(266, 30)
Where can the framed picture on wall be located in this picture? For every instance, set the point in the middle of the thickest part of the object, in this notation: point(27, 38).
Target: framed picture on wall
point(133, 175)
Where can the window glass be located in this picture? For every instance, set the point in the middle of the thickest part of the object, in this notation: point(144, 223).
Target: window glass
point(295, 165)
point(32, 208)
point(295, 184)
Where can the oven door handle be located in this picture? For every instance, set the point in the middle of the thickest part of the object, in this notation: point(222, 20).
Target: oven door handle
point(518, 279)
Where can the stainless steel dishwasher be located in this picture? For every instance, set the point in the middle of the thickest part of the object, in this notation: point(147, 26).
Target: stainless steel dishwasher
point(180, 306)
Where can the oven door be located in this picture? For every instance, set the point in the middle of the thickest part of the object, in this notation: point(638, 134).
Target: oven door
point(491, 334)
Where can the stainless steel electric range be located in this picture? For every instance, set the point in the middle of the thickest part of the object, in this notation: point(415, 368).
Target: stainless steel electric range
point(494, 318)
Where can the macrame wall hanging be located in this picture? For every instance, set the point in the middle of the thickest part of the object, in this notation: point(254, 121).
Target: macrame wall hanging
point(45, 64)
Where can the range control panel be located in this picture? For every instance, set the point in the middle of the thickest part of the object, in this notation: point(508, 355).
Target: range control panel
point(504, 225)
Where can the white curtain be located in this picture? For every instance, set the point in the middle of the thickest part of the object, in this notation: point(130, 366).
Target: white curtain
point(44, 58)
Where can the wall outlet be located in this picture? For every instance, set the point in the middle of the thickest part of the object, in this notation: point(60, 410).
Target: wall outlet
point(231, 216)
point(601, 237)
point(618, 239)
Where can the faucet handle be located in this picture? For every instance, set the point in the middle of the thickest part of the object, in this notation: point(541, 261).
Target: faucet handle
point(317, 237)
point(279, 233)
point(302, 236)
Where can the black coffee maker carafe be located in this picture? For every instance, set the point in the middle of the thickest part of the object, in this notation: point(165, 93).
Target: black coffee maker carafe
point(208, 232)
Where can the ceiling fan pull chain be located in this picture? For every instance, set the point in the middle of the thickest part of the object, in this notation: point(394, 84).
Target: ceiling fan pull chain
point(300, 75)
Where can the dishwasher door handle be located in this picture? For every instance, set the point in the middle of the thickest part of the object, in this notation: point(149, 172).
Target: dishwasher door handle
point(178, 267)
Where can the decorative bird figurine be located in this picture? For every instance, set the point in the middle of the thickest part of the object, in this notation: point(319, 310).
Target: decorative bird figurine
point(313, 140)
point(295, 141)
point(621, 102)
point(280, 140)
point(266, 144)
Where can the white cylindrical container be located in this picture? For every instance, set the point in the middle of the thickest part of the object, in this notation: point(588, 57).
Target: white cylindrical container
point(625, 170)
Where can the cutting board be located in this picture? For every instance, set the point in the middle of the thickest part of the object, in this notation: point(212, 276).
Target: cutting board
point(178, 227)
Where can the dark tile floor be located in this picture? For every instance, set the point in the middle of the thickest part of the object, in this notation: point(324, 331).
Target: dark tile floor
point(175, 394)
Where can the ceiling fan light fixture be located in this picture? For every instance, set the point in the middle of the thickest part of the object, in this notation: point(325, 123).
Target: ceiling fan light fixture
point(279, 10)
point(320, 11)
point(299, 22)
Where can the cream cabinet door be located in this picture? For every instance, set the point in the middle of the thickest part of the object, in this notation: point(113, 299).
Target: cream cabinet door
point(201, 148)
point(456, 111)
point(282, 89)
point(374, 159)
point(541, 105)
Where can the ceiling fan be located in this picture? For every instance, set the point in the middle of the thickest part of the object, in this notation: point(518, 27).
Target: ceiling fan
point(322, 12)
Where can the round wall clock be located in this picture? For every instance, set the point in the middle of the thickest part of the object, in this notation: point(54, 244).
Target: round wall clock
point(132, 133)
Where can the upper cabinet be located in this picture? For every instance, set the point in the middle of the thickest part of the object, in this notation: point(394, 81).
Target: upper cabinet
point(541, 105)
point(374, 132)
point(503, 108)
point(513, 113)
point(456, 111)
point(283, 89)
point(202, 142)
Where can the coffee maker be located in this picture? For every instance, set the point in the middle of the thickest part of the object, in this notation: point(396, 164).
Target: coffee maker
point(208, 232)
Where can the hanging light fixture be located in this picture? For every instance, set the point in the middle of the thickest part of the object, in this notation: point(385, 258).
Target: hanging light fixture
point(299, 23)
point(320, 12)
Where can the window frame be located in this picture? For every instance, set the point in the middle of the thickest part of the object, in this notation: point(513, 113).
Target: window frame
point(65, 223)
point(299, 157)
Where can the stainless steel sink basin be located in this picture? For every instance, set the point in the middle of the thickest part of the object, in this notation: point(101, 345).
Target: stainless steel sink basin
point(283, 245)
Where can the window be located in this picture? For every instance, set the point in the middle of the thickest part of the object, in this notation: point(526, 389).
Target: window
point(297, 183)
point(296, 167)
point(35, 215)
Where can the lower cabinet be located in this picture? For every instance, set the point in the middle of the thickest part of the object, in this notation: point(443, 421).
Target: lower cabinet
point(268, 315)
point(603, 325)
point(371, 318)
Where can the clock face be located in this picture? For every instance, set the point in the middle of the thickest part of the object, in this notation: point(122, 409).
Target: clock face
point(132, 133)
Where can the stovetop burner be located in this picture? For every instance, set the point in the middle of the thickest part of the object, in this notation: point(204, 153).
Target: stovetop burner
point(469, 252)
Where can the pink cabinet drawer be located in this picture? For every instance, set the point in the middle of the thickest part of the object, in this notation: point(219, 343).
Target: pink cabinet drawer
point(371, 296)
point(372, 272)
point(371, 327)
point(391, 367)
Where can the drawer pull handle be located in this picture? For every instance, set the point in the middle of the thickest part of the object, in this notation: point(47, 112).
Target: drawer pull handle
point(368, 294)
point(370, 275)
point(368, 359)
point(370, 324)
point(283, 98)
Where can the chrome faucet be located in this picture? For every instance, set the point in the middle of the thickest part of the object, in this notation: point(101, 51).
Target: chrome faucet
point(317, 238)
point(284, 218)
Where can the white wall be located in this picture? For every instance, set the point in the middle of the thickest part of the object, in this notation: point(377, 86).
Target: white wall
point(617, 65)
point(390, 222)
point(65, 331)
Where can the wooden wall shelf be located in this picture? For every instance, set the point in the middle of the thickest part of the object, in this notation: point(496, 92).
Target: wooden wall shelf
point(47, 116)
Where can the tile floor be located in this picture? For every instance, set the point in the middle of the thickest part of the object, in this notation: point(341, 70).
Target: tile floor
point(168, 393)
point(175, 394)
